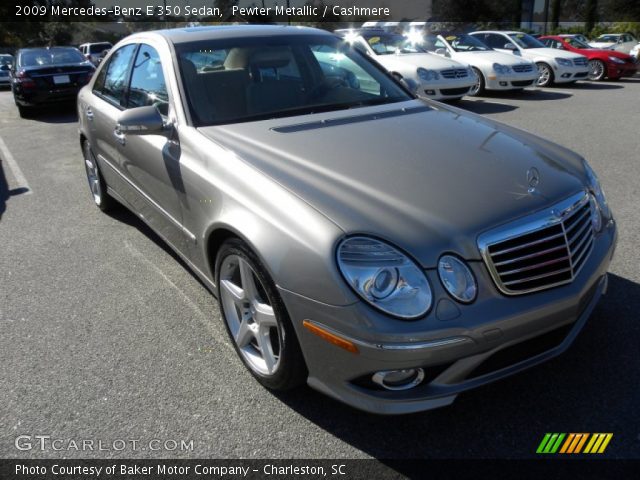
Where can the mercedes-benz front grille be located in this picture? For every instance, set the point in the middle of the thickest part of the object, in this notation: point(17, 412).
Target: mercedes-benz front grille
point(455, 73)
point(542, 251)
point(523, 68)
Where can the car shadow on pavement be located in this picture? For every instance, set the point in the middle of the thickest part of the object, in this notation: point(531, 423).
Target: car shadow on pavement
point(124, 215)
point(483, 107)
point(590, 386)
point(5, 193)
point(55, 114)
point(533, 94)
point(591, 86)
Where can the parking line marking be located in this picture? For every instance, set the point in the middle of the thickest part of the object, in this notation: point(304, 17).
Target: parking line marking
point(15, 169)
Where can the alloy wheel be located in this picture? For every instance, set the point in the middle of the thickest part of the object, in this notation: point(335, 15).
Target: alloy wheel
point(544, 75)
point(477, 87)
point(249, 316)
point(596, 70)
point(93, 174)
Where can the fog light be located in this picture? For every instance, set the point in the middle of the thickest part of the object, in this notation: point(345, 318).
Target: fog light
point(430, 92)
point(503, 84)
point(566, 75)
point(399, 379)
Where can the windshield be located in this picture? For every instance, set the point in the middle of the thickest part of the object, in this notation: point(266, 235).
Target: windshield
point(525, 41)
point(6, 59)
point(607, 38)
point(388, 44)
point(247, 79)
point(50, 56)
point(466, 43)
point(575, 43)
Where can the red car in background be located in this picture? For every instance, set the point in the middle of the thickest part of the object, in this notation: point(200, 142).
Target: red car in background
point(602, 63)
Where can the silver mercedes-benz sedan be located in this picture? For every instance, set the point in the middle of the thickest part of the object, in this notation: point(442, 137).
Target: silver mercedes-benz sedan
point(388, 251)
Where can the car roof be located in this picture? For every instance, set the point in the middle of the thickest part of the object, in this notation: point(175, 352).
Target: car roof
point(498, 31)
point(195, 34)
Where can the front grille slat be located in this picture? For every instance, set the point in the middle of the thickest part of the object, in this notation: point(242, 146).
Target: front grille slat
point(533, 267)
point(522, 68)
point(455, 73)
point(530, 244)
point(531, 255)
point(538, 277)
point(546, 250)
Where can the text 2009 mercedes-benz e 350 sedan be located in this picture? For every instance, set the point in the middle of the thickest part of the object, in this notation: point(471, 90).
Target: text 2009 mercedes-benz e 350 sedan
point(388, 251)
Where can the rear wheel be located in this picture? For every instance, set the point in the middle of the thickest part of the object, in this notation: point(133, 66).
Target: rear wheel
point(545, 74)
point(256, 319)
point(97, 185)
point(597, 70)
point(479, 86)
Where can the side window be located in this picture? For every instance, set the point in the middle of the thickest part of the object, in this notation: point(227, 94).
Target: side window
point(495, 41)
point(112, 79)
point(148, 86)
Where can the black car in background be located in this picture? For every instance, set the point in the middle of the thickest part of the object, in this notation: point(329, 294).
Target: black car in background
point(43, 76)
point(6, 61)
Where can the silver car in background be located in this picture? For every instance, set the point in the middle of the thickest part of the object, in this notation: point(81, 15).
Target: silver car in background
point(390, 252)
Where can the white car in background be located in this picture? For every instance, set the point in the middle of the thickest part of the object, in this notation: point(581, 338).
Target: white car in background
point(554, 66)
point(427, 74)
point(635, 52)
point(494, 70)
point(620, 42)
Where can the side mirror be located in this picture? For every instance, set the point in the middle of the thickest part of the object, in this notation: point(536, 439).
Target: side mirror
point(510, 46)
point(141, 121)
point(442, 51)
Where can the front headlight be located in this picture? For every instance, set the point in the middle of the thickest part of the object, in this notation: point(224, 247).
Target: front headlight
point(565, 62)
point(457, 278)
point(616, 60)
point(384, 277)
point(427, 75)
point(499, 68)
point(596, 190)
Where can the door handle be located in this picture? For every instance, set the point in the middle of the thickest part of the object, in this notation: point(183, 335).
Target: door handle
point(120, 137)
point(89, 113)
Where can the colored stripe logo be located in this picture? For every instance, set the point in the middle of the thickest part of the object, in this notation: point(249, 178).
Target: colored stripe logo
point(574, 443)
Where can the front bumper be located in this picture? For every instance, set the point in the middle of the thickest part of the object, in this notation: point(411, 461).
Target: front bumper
point(618, 70)
point(509, 82)
point(570, 74)
point(459, 346)
point(445, 89)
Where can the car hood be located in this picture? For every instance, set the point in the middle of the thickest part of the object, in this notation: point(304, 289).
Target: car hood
point(551, 53)
point(602, 44)
point(489, 58)
point(427, 177)
point(425, 60)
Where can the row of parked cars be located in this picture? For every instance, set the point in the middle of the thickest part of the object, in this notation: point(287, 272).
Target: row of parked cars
point(446, 66)
point(440, 66)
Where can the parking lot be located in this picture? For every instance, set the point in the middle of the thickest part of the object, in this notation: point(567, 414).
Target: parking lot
point(106, 334)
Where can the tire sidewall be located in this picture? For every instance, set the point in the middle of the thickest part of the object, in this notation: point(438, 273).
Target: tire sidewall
point(291, 370)
point(551, 76)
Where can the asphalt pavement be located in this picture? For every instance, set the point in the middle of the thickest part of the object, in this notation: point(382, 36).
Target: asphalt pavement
point(106, 336)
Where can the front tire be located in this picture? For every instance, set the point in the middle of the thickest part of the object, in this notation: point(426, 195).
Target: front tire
point(597, 70)
point(256, 319)
point(97, 185)
point(479, 86)
point(546, 76)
